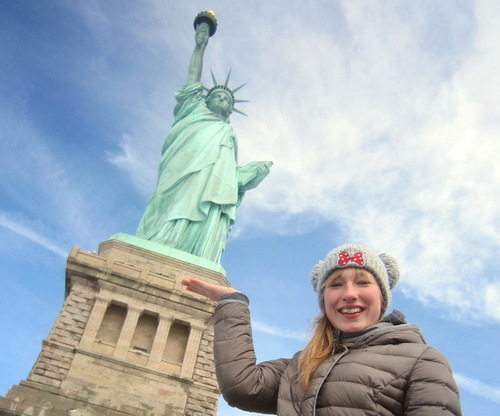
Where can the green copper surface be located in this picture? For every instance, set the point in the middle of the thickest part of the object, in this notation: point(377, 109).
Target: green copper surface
point(200, 184)
point(168, 251)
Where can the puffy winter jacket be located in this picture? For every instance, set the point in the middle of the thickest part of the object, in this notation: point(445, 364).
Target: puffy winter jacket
point(390, 371)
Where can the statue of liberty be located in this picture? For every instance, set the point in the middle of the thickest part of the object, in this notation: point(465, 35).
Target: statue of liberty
point(199, 183)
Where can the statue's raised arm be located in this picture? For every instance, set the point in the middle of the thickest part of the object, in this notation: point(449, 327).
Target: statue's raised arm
point(196, 62)
point(200, 184)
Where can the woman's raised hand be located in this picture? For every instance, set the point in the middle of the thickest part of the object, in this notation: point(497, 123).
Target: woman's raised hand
point(213, 292)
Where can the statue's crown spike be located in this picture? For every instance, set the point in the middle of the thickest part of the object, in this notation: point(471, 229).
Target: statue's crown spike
point(239, 88)
point(213, 77)
point(227, 79)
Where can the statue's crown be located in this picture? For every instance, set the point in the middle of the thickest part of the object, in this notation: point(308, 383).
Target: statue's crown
point(224, 87)
point(221, 87)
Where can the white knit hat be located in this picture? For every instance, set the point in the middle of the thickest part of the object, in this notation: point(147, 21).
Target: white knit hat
point(383, 267)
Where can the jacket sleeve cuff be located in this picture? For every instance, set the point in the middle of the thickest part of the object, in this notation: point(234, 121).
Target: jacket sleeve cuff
point(234, 297)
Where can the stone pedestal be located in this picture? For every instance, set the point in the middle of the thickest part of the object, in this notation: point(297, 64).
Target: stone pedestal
point(129, 340)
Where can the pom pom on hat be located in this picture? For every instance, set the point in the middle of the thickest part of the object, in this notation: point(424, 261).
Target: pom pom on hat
point(384, 269)
point(392, 268)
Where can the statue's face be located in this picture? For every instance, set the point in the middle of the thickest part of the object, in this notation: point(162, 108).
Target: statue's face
point(221, 103)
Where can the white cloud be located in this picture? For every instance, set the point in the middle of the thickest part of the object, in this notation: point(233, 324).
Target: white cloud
point(137, 165)
point(277, 332)
point(491, 297)
point(44, 185)
point(392, 138)
point(396, 145)
point(25, 230)
point(478, 388)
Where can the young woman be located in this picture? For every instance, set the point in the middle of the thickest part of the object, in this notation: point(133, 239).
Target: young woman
point(358, 361)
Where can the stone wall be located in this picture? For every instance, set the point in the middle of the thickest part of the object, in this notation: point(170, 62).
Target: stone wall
point(78, 371)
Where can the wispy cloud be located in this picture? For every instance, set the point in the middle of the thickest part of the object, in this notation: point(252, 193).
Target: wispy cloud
point(277, 332)
point(392, 140)
point(24, 230)
point(135, 164)
point(478, 388)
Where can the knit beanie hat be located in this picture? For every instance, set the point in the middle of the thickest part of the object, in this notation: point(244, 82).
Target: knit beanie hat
point(383, 267)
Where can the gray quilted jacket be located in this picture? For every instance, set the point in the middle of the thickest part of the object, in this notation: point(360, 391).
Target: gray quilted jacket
point(389, 370)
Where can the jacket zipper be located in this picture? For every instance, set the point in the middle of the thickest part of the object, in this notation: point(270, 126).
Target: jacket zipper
point(346, 350)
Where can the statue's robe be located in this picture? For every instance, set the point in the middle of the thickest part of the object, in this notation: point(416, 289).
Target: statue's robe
point(194, 204)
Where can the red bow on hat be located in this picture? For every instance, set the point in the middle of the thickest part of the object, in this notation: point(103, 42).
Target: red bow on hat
point(344, 258)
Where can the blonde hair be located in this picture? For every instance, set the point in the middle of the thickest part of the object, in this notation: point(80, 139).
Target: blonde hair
point(319, 347)
point(322, 342)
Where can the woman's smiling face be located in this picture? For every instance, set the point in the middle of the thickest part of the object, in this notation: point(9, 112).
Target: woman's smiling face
point(353, 300)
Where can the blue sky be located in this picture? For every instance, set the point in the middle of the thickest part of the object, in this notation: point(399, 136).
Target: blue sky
point(381, 118)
